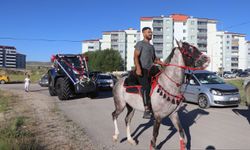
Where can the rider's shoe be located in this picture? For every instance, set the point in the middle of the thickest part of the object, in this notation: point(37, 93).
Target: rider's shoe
point(147, 114)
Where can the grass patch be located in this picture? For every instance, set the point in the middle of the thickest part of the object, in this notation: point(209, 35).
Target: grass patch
point(15, 133)
point(4, 99)
point(238, 83)
point(16, 136)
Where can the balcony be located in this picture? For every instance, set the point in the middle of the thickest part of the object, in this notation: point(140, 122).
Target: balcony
point(157, 24)
point(157, 32)
point(157, 40)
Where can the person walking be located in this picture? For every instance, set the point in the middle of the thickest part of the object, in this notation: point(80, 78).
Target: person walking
point(27, 83)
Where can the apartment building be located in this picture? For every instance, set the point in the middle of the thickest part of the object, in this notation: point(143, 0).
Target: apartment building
point(229, 52)
point(181, 27)
point(20, 61)
point(248, 54)
point(91, 45)
point(7, 57)
point(122, 41)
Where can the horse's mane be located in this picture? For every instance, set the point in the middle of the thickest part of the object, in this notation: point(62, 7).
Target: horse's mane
point(170, 56)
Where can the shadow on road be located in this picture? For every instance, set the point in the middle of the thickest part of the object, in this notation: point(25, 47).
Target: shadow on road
point(243, 112)
point(187, 119)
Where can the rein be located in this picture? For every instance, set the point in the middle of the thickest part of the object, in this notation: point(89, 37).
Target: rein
point(161, 90)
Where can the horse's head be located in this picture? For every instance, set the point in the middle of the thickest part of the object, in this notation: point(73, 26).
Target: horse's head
point(192, 56)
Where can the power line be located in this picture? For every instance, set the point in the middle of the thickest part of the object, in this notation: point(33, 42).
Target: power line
point(33, 39)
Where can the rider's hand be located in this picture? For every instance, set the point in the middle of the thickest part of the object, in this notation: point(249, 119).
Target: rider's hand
point(138, 72)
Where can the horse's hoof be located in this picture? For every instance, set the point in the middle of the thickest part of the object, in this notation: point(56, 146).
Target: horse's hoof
point(115, 138)
point(132, 142)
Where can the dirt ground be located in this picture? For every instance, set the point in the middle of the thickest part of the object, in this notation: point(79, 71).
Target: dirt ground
point(51, 128)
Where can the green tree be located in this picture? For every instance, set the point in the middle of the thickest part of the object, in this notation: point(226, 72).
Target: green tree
point(105, 60)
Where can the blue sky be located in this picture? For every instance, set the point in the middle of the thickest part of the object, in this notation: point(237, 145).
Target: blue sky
point(77, 20)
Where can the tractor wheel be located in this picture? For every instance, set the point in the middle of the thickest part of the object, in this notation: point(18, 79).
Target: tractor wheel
point(2, 82)
point(63, 88)
point(52, 90)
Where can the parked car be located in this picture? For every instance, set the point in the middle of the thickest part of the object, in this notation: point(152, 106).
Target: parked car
point(4, 79)
point(44, 81)
point(207, 89)
point(93, 75)
point(243, 74)
point(230, 75)
point(246, 87)
point(105, 81)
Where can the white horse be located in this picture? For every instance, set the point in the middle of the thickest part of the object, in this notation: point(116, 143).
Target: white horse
point(166, 96)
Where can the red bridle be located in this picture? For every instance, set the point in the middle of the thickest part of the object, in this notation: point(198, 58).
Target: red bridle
point(161, 89)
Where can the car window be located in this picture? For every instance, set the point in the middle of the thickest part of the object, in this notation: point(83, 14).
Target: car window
point(189, 79)
point(209, 78)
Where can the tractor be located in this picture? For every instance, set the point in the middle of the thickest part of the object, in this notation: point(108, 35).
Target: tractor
point(69, 77)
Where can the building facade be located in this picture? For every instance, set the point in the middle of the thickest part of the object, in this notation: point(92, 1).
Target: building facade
point(20, 61)
point(7, 57)
point(229, 52)
point(91, 45)
point(122, 41)
point(180, 27)
point(248, 54)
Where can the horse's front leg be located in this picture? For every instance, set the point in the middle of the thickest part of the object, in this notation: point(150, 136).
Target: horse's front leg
point(176, 122)
point(128, 118)
point(157, 124)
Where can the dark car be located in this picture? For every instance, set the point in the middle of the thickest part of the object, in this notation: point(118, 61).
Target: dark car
point(243, 74)
point(44, 81)
point(105, 81)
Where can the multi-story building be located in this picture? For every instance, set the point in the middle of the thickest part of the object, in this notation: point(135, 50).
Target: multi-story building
point(20, 61)
point(7, 57)
point(180, 27)
point(91, 45)
point(229, 52)
point(248, 54)
point(122, 41)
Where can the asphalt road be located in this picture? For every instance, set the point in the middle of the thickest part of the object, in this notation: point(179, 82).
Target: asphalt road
point(214, 128)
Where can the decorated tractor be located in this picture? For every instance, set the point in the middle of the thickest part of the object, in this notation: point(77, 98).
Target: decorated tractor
point(69, 77)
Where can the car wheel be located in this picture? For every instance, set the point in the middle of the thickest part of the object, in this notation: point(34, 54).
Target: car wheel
point(2, 82)
point(247, 91)
point(203, 101)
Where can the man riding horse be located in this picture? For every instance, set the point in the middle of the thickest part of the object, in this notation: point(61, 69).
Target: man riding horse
point(144, 58)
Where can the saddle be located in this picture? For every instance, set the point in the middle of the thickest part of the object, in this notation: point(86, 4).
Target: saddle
point(132, 85)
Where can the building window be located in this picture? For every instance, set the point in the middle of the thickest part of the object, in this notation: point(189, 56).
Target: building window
point(184, 23)
point(184, 31)
point(228, 36)
point(228, 42)
point(227, 47)
point(184, 38)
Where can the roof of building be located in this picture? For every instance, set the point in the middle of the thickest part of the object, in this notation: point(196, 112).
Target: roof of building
point(91, 40)
point(176, 17)
point(234, 33)
point(9, 47)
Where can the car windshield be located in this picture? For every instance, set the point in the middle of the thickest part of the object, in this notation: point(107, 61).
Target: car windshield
point(104, 77)
point(74, 61)
point(209, 78)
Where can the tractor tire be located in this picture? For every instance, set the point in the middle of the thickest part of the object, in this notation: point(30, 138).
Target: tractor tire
point(52, 89)
point(63, 88)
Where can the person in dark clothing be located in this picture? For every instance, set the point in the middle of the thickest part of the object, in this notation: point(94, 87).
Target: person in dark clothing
point(144, 59)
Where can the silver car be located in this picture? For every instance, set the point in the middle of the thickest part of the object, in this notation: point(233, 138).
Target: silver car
point(208, 89)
